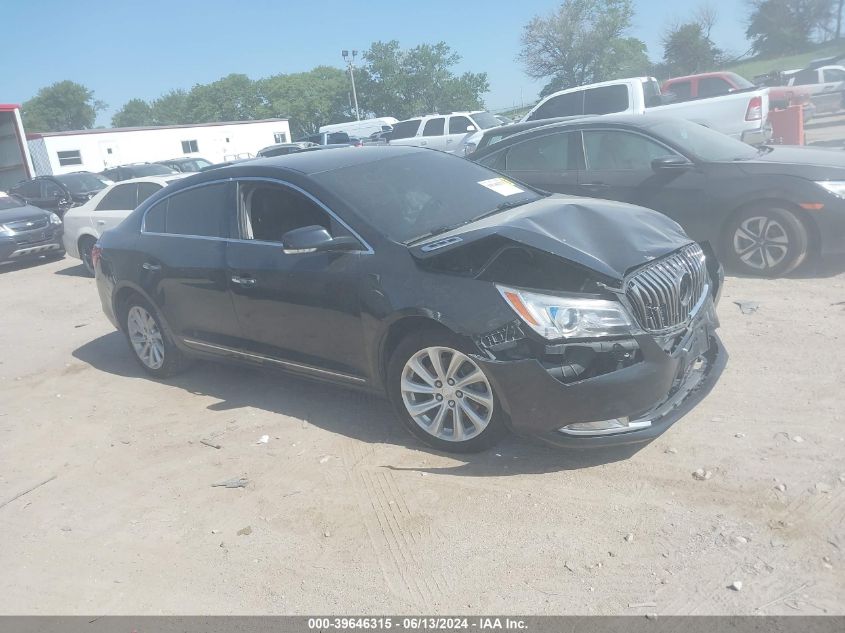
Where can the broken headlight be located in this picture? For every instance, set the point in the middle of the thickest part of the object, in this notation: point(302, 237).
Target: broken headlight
point(568, 317)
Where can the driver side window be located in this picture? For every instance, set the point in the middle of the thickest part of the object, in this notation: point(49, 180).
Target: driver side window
point(268, 211)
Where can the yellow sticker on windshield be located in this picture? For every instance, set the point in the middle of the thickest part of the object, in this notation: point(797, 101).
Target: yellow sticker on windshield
point(502, 186)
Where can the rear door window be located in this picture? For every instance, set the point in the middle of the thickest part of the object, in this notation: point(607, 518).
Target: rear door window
point(713, 87)
point(434, 127)
point(120, 198)
point(805, 77)
point(613, 150)
point(146, 189)
point(30, 189)
point(681, 89)
point(606, 100)
point(551, 153)
point(834, 74)
point(569, 104)
point(405, 129)
point(205, 211)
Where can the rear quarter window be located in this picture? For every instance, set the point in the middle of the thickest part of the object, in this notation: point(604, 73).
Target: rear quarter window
point(606, 100)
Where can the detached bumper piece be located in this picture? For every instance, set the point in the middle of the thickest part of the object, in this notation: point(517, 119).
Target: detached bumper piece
point(629, 405)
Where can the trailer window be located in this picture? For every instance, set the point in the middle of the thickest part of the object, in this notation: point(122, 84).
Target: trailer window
point(189, 147)
point(70, 157)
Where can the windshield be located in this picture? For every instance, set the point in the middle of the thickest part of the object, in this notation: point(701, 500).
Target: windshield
point(150, 170)
point(702, 142)
point(9, 201)
point(411, 196)
point(485, 120)
point(740, 82)
point(81, 183)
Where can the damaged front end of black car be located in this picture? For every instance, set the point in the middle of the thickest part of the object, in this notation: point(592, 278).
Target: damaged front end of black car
point(610, 335)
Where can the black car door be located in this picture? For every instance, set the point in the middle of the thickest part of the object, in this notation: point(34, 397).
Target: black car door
point(182, 263)
point(300, 308)
point(54, 197)
point(619, 167)
point(551, 162)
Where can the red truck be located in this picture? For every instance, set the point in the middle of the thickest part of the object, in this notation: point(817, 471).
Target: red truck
point(721, 83)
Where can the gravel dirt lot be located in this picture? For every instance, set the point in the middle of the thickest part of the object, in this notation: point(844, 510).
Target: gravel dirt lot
point(346, 513)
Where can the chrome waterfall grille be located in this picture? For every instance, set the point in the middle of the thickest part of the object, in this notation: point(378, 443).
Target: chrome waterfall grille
point(664, 292)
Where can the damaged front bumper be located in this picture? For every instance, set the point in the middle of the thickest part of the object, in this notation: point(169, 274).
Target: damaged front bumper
point(629, 405)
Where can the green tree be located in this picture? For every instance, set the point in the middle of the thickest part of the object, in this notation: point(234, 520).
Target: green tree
point(310, 99)
point(134, 113)
point(420, 80)
point(63, 106)
point(235, 97)
point(687, 49)
point(582, 42)
point(776, 27)
point(171, 109)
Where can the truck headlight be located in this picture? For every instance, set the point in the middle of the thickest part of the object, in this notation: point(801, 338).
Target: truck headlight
point(54, 219)
point(568, 317)
point(836, 187)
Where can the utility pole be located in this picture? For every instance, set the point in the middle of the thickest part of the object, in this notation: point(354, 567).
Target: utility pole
point(350, 61)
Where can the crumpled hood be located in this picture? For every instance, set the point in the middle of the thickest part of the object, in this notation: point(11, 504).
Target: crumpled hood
point(605, 236)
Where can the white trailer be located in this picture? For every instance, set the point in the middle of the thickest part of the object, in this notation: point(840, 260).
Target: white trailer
point(98, 149)
point(362, 129)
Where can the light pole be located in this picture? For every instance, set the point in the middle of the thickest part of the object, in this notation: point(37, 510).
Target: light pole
point(351, 63)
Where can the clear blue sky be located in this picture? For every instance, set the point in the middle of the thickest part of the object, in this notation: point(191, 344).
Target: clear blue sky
point(142, 49)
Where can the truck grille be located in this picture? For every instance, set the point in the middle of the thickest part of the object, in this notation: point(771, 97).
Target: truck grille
point(664, 292)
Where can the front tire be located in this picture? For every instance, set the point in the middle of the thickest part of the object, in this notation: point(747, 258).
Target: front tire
point(148, 340)
point(766, 241)
point(442, 395)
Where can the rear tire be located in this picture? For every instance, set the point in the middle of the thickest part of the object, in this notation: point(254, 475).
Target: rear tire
point(86, 243)
point(148, 340)
point(441, 395)
point(765, 241)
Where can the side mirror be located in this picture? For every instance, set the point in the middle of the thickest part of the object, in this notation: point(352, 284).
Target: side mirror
point(670, 163)
point(316, 239)
point(470, 128)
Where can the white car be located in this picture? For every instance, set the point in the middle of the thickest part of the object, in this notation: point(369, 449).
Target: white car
point(84, 224)
point(446, 132)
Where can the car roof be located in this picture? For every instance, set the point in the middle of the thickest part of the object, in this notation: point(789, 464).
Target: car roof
point(607, 120)
point(311, 162)
point(160, 180)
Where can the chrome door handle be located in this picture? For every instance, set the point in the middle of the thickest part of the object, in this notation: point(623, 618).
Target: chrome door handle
point(243, 281)
point(101, 222)
point(448, 140)
point(149, 266)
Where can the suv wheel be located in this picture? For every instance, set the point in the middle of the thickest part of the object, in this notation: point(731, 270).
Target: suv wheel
point(149, 342)
point(442, 395)
point(767, 241)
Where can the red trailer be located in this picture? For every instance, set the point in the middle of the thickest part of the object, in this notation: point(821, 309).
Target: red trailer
point(15, 162)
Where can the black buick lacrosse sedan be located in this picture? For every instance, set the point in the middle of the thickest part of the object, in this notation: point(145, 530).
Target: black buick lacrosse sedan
point(475, 303)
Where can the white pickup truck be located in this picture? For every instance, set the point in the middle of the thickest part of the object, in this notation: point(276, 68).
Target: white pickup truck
point(742, 115)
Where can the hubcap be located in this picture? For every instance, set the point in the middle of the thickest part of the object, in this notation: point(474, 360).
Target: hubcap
point(447, 394)
point(145, 337)
point(761, 243)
